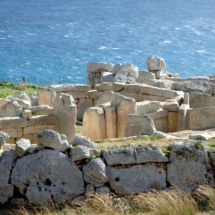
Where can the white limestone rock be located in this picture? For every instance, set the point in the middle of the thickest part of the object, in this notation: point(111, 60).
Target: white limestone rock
point(22, 147)
point(95, 67)
point(146, 107)
point(119, 156)
point(171, 106)
point(60, 88)
point(95, 172)
point(189, 166)
point(52, 139)
point(145, 75)
point(125, 73)
point(34, 98)
point(136, 179)
point(198, 100)
point(10, 109)
point(155, 63)
point(107, 77)
point(79, 140)
point(6, 164)
point(49, 176)
point(80, 153)
point(3, 138)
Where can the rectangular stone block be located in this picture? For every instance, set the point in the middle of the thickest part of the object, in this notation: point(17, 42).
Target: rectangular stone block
point(81, 87)
point(11, 141)
point(110, 120)
point(151, 98)
point(161, 113)
point(105, 86)
point(117, 87)
point(149, 90)
point(172, 121)
point(130, 95)
point(61, 88)
point(161, 124)
point(169, 94)
point(145, 107)
point(42, 120)
point(13, 133)
point(77, 95)
point(37, 129)
point(94, 94)
point(12, 122)
point(182, 117)
point(132, 88)
point(31, 137)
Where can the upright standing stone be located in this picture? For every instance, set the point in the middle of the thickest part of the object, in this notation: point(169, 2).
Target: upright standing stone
point(65, 110)
point(11, 109)
point(46, 96)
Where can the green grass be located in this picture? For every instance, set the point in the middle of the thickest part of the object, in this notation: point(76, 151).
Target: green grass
point(8, 88)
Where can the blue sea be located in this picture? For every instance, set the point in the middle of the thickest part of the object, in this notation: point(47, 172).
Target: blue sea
point(53, 39)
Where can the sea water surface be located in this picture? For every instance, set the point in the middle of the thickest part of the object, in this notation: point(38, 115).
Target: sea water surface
point(53, 39)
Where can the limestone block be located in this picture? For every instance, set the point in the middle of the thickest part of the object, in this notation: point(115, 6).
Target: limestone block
point(95, 67)
point(172, 121)
point(198, 100)
point(105, 86)
point(140, 98)
point(79, 140)
point(41, 110)
point(3, 137)
point(6, 165)
point(94, 94)
point(59, 88)
point(21, 95)
point(80, 153)
point(37, 129)
point(106, 97)
point(161, 124)
point(182, 117)
point(144, 75)
point(94, 123)
point(10, 109)
point(155, 63)
point(22, 103)
point(77, 95)
point(119, 156)
point(95, 172)
point(134, 96)
point(149, 90)
point(136, 179)
point(187, 100)
point(148, 153)
point(11, 140)
point(93, 79)
point(46, 96)
point(81, 88)
point(3, 101)
point(172, 106)
point(52, 139)
point(46, 177)
point(107, 77)
point(189, 166)
point(117, 87)
point(22, 147)
point(153, 98)
point(13, 132)
point(160, 113)
point(138, 125)
point(95, 102)
point(169, 94)
point(146, 107)
point(41, 120)
point(82, 105)
point(132, 88)
point(12, 122)
point(110, 120)
point(66, 111)
point(200, 118)
point(34, 98)
point(30, 137)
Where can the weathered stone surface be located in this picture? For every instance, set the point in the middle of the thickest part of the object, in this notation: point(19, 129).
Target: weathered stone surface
point(66, 111)
point(95, 67)
point(105, 86)
point(172, 121)
point(132, 88)
point(13, 132)
point(95, 172)
point(59, 88)
point(94, 94)
point(37, 129)
point(81, 88)
point(135, 96)
point(90, 190)
point(200, 136)
point(46, 96)
point(94, 123)
point(198, 100)
point(189, 166)
point(102, 190)
point(80, 153)
point(49, 176)
point(200, 118)
point(117, 87)
point(22, 147)
point(82, 105)
point(138, 125)
point(21, 95)
point(10, 109)
point(12, 122)
point(125, 73)
point(107, 77)
point(155, 63)
point(3, 137)
point(106, 97)
point(6, 164)
point(3, 101)
point(144, 75)
point(136, 179)
point(119, 156)
point(160, 113)
point(110, 120)
point(182, 121)
point(93, 79)
point(42, 120)
point(147, 153)
point(34, 98)
point(171, 106)
point(41, 110)
point(22, 103)
point(161, 124)
point(146, 107)
point(78, 95)
point(53, 139)
point(79, 140)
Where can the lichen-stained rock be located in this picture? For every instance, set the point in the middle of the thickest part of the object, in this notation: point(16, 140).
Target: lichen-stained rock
point(149, 153)
point(6, 163)
point(189, 166)
point(3, 137)
point(95, 172)
point(138, 125)
point(22, 147)
point(119, 156)
point(52, 139)
point(79, 140)
point(136, 179)
point(80, 153)
point(47, 176)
